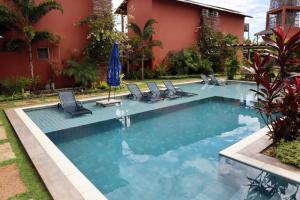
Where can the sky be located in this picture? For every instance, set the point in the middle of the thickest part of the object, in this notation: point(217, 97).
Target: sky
point(254, 8)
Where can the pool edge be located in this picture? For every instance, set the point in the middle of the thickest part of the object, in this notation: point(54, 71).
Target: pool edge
point(248, 151)
point(62, 179)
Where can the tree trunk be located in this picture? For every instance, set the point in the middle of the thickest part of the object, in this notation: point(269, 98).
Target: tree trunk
point(128, 64)
point(143, 58)
point(30, 60)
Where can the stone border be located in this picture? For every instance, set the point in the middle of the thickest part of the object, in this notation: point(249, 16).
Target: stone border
point(249, 152)
point(62, 179)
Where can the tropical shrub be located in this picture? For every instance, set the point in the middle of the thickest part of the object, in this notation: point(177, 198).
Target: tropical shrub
point(84, 73)
point(279, 99)
point(205, 67)
point(101, 36)
point(148, 73)
point(232, 66)
point(216, 46)
point(20, 17)
point(16, 85)
point(103, 85)
point(142, 43)
point(160, 70)
point(187, 61)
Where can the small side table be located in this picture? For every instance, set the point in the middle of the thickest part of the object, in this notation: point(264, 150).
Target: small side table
point(106, 103)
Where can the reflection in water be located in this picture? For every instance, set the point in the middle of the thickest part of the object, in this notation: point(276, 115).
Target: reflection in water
point(272, 187)
point(123, 117)
point(256, 184)
point(247, 100)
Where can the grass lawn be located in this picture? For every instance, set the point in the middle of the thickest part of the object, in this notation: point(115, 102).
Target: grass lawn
point(35, 187)
point(32, 181)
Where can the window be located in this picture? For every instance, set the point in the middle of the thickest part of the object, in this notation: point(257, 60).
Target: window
point(293, 18)
point(205, 12)
point(274, 20)
point(215, 14)
point(43, 53)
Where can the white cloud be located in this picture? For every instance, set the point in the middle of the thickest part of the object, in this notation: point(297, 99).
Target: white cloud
point(255, 8)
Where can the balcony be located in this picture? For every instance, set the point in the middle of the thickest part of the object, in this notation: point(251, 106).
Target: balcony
point(279, 3)
point(274, 20)
point(293, 18)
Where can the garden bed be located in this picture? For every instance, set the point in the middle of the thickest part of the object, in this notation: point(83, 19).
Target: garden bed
point(287, 152)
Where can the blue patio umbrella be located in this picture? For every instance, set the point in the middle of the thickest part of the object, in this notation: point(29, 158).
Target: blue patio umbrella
point(114, 68)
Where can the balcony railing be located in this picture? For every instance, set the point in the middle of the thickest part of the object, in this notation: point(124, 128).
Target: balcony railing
point(274, 20)
point(279, 3)
point(293, 18)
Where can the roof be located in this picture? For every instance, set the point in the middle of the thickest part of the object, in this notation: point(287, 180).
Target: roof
point(214, 7)
point(264, 32)
point(122, 9)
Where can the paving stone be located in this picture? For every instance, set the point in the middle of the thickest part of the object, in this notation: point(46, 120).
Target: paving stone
point(3, 135)
point(11, 183)
point(6, 152)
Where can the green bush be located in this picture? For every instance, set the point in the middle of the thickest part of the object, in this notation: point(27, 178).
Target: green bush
point(148, 73)
point(160, 70)
point(187, 61)
point(232, 66)
point(205, 67)
point(289, 152)
point(16, 86)
point(103, 85)
point(216, 46)
point(84, 73)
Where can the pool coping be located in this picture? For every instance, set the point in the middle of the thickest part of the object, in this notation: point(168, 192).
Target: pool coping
point(249, 151)
point(61, 177)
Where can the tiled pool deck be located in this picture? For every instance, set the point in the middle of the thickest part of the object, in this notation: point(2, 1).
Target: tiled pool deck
point(49, 120)
point(62, 178)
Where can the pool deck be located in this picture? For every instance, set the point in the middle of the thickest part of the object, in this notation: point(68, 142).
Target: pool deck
point(64, 181)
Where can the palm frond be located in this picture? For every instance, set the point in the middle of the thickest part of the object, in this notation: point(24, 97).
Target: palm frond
point(37, 12)
point(45, 35)
point(7, 17)
point(154, 43)
point(136, 29)
point(149, 23)
point(24, 6)
point(148, 29)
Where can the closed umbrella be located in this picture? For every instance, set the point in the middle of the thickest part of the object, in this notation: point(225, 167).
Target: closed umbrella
point(114, 68)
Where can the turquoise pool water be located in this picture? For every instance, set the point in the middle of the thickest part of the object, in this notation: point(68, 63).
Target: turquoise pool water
point(171, 153)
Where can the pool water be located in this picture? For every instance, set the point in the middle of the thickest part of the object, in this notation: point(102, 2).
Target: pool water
point(170, 153)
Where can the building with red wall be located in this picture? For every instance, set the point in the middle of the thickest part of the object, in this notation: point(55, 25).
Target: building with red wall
point(178, 21)
point(73, 39)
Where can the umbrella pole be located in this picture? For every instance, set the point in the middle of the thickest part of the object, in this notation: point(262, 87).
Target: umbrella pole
point(115, 93)
point(109, 93)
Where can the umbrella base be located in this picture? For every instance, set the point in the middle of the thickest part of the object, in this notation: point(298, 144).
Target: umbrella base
point(106, 103)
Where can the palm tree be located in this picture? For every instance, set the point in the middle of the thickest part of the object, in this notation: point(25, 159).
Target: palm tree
point(143, 39)
point(21, 15)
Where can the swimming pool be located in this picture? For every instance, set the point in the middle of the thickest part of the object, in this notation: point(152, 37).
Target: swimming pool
point(167, 150)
